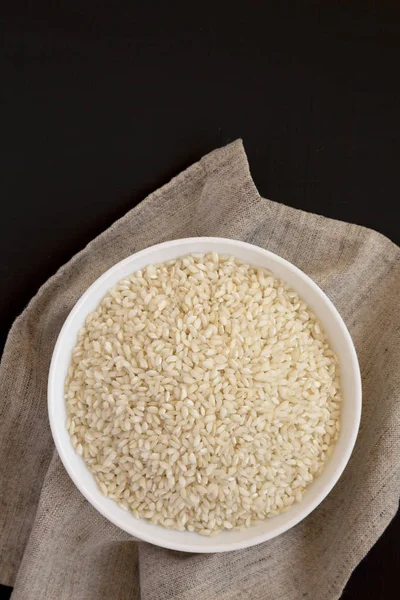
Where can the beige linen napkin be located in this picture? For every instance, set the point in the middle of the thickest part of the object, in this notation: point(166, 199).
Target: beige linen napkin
point(54, 545)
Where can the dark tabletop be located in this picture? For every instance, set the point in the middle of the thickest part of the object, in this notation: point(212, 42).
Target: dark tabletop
point(106, 101)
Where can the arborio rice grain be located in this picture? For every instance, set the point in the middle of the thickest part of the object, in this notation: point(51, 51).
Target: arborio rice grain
point(203, 394)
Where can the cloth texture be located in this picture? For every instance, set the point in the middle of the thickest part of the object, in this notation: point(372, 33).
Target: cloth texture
point(54, 545)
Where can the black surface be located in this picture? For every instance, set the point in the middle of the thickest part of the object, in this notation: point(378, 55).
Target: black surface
point(104, 102)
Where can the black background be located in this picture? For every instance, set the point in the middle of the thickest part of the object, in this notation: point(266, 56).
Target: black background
point(105, 101)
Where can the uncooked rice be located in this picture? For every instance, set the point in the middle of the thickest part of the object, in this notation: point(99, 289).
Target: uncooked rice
point(203, 394)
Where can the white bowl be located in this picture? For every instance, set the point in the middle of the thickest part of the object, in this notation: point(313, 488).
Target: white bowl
point(350, 380)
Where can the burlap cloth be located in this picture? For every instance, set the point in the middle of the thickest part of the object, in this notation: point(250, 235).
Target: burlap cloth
point(54, 545)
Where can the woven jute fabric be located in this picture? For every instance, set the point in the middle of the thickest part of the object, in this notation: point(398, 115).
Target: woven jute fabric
point(55, 546)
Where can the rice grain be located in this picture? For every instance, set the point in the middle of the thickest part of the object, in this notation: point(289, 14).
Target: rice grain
point(203, 394)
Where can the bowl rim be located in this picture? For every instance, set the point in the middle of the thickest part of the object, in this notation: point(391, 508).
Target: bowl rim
point(56, 424)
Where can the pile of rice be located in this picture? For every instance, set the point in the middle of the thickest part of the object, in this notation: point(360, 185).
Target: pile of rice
point(203, 394)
